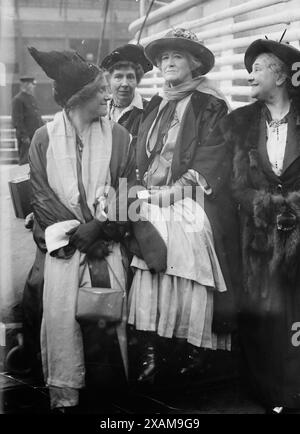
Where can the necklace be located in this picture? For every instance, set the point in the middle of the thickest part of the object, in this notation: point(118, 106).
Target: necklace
point(275, 124)
point(116, 105)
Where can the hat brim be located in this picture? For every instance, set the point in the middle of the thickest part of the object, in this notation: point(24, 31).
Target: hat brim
point(154, 48)
point(130, 53)
point(27, 80)
point(286, 53)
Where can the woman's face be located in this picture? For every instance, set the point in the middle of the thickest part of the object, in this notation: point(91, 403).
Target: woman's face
point(263, 80)
point(175, 67)
point(123, 83)
point(97, 106)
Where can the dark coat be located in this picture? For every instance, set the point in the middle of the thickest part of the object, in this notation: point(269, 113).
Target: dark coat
point(270, 302)
point(26, 119)
point(131, 121)
point(261, 194)
point(195, 150)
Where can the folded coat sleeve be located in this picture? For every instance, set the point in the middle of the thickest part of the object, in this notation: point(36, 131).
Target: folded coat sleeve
point(47, 207)
point(123, 175)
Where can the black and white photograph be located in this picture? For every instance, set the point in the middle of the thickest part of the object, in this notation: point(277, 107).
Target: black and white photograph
point(149, 210)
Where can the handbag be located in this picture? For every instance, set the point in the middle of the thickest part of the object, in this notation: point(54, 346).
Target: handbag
point(95, 304)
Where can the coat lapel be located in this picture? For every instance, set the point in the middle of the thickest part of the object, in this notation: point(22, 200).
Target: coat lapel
point(292, 151)
point(256, 139)
point(185, 143)
point(148, 119)
point(189, 133)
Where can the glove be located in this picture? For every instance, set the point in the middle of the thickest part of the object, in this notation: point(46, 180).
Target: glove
point(114, 231)
point(65, 252)
point(98, 250)
point(84, 235)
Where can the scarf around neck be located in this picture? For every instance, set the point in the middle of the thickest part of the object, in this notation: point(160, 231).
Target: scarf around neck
point(62, 162)
point(202, 84)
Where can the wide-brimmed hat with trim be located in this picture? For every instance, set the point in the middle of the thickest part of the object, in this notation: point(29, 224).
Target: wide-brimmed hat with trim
point(285, 52)
point(183, 40)
point(131, 53)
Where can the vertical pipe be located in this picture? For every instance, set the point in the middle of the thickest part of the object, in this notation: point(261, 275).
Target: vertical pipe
point(142, 8)
point(102, 32)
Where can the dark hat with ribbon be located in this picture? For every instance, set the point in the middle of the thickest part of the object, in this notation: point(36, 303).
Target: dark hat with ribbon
point(68, 69)
point(285, 52)
point(27, 79)
point(183, 40)
point(131, 53)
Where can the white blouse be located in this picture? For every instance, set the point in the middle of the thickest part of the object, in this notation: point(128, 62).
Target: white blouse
point(276, 144)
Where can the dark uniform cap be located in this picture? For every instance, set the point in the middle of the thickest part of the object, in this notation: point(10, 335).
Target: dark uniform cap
point(68, 69)
point(131, 53)
point(27, 79)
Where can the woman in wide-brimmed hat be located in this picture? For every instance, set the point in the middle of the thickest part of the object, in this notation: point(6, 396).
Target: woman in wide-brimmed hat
point(173, 290)
point(265, 139)
point(74, 160)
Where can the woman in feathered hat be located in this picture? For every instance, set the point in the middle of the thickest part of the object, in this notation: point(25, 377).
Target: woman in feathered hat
point(73, 162)
point(265, 140)
point(174, 288)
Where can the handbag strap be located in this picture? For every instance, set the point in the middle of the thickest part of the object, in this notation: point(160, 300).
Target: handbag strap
point(115, 276)
point(111, 269)
point(87, 215)
point(83, 202)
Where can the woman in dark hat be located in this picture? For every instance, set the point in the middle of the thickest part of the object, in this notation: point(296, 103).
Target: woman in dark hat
point(126, 66)
point(265, 140)
point(173, 290)
point(74, 160)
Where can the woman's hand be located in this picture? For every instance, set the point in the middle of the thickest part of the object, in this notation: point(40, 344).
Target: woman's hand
point(84, 235)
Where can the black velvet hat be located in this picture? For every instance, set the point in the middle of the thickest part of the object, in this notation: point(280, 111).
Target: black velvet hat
point(68, 69)
point(285, 52)
point(131, 53)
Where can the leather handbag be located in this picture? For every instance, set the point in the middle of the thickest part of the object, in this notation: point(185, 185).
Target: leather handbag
point(95, 304)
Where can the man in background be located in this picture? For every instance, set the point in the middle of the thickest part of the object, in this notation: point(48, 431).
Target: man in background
point(26, 117)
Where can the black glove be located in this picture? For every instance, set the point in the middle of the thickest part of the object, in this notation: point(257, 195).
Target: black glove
point(84, 235)
point(98, 250)
point(114, 231)
point(65, 252)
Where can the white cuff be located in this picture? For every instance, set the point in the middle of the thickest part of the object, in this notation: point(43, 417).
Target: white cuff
point(55, 235)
